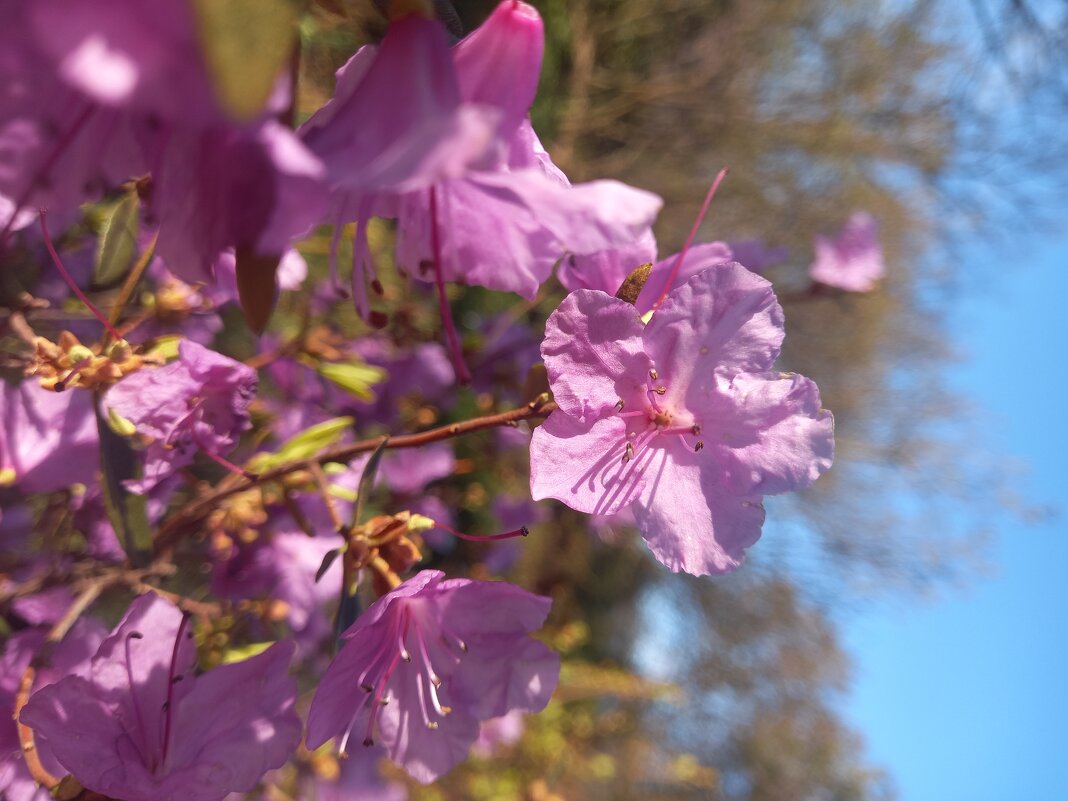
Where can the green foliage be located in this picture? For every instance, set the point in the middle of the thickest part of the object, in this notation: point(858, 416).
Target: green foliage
point(117, 245)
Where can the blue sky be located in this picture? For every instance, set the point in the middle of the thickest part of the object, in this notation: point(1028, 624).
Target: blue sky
point(966, 699)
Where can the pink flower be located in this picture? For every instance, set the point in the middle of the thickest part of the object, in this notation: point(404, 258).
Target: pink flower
point(142, 726)
point(680, 420)
point(48, 440)
point(71, 656)
point(427, 662)
point(199, 402)
point(853, 260)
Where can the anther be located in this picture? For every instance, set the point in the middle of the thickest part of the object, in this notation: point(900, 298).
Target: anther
point(696, 430)
point(432, 725)
point(619, 405)
point(367, 688)
point(698, 445)
point(660, 390)
point(368, 742)
point(629, 453)
point(653, 374)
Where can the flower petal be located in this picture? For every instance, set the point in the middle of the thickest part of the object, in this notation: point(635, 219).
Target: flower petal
point(582, 465)
point(691, 521)
point(723, 317)
point(594, 355)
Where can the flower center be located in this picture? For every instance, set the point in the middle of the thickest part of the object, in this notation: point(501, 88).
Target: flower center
point(408, 627)
point(653, 420)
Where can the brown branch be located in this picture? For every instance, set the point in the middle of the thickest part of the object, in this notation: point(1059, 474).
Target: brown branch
point(199, 509)
point(37, 770)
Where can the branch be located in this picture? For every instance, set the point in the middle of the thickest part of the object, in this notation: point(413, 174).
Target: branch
point(198, 510)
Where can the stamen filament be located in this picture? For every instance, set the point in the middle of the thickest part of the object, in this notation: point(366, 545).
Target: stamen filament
point(522, 531)
point(689, 240)
point(61, 144)
point(171, 681)
point(133, 635)
point(70, 281)
point(451, 336)
point(62, 384)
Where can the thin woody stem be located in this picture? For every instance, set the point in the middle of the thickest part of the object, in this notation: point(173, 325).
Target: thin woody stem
point(37, 770)
point(199, 509)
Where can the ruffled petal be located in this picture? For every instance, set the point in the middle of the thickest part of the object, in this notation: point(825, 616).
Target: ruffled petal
point(582, 464)
point(691, 521)
point(594, 355)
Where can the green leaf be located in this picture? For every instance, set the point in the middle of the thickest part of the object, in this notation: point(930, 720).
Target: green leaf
point(328, 560)
point(367, 481)
point(305, 444)
point(354, 377)
point(127, 512)
point(246, 43)
point(117, 245)
point(245, 652)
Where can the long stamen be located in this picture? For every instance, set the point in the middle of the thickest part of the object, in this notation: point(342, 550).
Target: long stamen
point(689, 240)
point(171, 681)
point(70, 281)
point(133, 635)
point(369, 739)
point(451, 336)
point(335, 241)
point(522, 531)
point(226, 463)
point(359, 262)
point(61, 144)
point(64, 382)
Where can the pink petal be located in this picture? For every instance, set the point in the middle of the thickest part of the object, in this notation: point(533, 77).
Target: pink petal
point(793, 436)
point(723, 317)
point(499, 62)
point(594, 355)
point(582, 465)
point(690, 521)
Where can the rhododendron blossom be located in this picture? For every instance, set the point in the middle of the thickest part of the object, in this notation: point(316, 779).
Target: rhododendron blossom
point(142, 727)
point(682, 419)
point(197, 403)
point(426, 663)
point(852, 260)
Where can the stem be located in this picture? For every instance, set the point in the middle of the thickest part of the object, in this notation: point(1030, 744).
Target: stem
point(198, 510)
point(689, 240)
point(451, 337)
point(70, 281)
point(61, 144)
point(37, 770)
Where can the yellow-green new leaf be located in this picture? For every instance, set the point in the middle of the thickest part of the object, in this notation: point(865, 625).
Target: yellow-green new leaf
point(246, 44)
point(353, 377)
point(117, 245)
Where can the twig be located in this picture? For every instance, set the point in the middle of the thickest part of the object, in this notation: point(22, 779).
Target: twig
point(198, 510)
point(38, 771)
point(328, 500)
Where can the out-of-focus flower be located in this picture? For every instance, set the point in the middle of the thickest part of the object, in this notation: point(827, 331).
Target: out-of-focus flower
point(142, 726)
point(853, 260)
point(198, 402)
point(48, 440)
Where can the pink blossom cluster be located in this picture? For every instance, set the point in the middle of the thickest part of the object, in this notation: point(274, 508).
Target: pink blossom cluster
point(665, 404)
